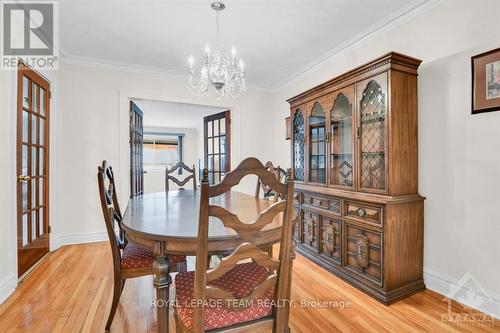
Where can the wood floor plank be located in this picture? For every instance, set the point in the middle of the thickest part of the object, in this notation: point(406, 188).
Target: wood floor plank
point(71, 291)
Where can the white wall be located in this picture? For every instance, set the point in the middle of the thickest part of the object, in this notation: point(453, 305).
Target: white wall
point(459, 153)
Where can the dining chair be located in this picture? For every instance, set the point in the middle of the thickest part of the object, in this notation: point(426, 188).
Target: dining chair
point(237, 296)
point(279, 173)
point(129, 260)
point(180, 183)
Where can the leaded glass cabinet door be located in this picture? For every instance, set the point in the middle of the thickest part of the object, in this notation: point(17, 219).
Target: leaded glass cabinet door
point(372, 97)
point(317, 145)
point(342, 142)
point(298, 145)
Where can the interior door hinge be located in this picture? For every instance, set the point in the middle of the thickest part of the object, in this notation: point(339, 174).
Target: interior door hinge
point(49, 229)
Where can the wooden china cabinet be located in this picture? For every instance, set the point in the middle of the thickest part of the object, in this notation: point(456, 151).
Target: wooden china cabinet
point(355, 160)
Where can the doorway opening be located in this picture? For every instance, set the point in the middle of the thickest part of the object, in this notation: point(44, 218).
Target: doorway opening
point(176, 132)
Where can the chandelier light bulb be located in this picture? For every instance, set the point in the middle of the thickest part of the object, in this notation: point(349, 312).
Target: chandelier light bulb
point(233, 51)
point(242, 64)
point(207, 48)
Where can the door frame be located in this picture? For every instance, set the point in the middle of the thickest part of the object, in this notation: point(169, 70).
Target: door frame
point(24, 70)
point(125, 96)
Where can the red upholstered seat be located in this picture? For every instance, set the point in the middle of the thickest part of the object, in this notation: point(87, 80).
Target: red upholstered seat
point(135, 257)
point(240, 281)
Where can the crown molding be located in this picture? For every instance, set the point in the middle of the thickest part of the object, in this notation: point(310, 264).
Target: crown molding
point(70, 59)
point(403, 15)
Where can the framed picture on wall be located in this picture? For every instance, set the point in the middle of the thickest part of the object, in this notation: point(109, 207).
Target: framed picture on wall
point(486, 82)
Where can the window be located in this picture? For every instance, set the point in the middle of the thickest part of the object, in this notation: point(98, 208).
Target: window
point(162, 150)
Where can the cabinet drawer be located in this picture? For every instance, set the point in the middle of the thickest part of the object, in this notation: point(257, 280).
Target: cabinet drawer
point(331, 204)
point(310, 230)
point(330, 237)
point(363, 252)
point(364, 212)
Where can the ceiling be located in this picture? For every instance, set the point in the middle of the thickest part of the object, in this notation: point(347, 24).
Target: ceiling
point(275, 38)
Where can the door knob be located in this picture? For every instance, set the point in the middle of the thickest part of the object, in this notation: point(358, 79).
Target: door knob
point(23, 178)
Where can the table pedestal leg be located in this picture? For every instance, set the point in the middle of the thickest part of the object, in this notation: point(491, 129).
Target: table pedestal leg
point(161, 282)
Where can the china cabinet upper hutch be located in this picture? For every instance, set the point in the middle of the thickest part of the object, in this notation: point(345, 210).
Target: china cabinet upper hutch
point(355, 159)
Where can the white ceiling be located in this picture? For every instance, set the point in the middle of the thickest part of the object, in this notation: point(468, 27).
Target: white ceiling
point(275, 38)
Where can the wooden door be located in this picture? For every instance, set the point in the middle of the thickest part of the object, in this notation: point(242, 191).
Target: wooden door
point(33, 226)
point(217, 140)
point(136, 151)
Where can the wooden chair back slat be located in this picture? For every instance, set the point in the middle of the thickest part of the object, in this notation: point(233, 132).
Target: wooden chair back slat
point(251, 166)
point(244, 251)
point(111, 210)
point(279, 271)
point(180, 183)
point(247, 230)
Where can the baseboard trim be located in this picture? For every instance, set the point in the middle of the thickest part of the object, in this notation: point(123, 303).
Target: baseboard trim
point(7, 287)
point(443, 285)
point(71, 239)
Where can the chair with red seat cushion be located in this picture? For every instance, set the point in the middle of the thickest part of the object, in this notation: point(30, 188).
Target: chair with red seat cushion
point(240, 281)
point(134, 257)
point(135, 261)
point(238, 294)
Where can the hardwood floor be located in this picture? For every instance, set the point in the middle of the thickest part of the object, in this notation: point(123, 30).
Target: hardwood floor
point(71, 291)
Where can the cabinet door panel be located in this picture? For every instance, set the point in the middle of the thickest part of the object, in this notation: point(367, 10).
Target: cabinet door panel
point(317, 144)
point(330, 239)
point(310, 230)
point(341, 139)
point(372, 130)
point(298, 140)
point(363, 252)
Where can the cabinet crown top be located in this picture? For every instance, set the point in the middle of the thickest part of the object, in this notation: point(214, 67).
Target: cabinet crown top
point(389, 60)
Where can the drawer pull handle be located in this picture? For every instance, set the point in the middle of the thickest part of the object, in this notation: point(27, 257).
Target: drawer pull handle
point(361, 212)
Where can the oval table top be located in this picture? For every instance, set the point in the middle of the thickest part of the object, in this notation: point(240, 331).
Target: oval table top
point(173, 218)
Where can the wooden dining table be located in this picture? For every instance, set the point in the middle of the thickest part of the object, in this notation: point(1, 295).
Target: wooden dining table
point(167, 223)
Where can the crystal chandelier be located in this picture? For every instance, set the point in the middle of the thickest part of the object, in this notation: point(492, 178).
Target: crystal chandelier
point(221, 75)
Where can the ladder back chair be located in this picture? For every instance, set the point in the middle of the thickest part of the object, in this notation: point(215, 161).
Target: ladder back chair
point(279, 173)
point(129, 260)
point(180, 183)
point(235, 296)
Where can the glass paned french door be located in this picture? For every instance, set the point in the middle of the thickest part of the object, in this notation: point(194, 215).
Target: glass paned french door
point(217, 138)
point(32, 167)
point(136, 151)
